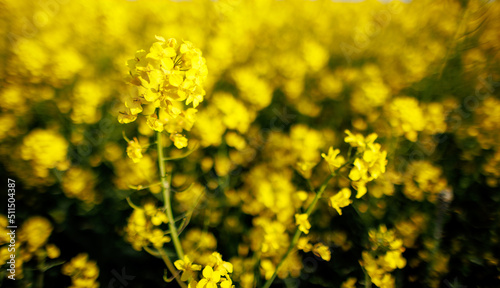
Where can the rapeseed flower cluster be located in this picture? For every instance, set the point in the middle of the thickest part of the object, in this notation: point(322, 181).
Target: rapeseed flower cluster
point(215, 274)
point(168, 75)
point(83, 272)
point(384, 256)
point(143, 227)
point(31, 245)
point(45, 150)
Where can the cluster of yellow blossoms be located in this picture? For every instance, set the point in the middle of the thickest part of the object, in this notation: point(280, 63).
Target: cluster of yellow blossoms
point(215, 274)
point(166, 76)
point(423, 180)
point(369, 163)
point(45, 149)
point(83, 272)
point(80, 183)
point(384, 257)
point(143, 227)
point(31, 243)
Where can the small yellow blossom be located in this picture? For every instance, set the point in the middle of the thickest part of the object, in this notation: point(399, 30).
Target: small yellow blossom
point(210, 278)
point(52, 251)
point(83, 272)
point(349, 283)
point(322, 251)
point(333, 160)
point(358, 140)
point(303, 223)
point(304, 245)
point(394, 259)
point(268, 267)
point(154, 123)
point(180, 141)
point(226, 283)
point(341, 199)
point(220, 265)
point(35, 231)
point(125, 118)
point(134, 150)
point(187, 267)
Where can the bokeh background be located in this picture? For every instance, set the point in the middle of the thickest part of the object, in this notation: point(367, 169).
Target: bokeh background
point(286, 78)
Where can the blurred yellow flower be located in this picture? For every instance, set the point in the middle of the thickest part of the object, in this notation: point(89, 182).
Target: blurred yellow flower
point(341, 200)
point(134, 150)
point(322, 251)
point(303, 223)
point(333, 160)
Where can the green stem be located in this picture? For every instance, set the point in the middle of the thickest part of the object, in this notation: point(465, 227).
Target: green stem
point(40, 279)
point(290, 248)
point(309, 210)
point(296, 236)
point(368, 281)
point(166, 198)
point(171, 267)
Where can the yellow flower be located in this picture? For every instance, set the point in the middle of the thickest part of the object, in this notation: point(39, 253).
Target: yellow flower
point(370, 165)
point(322, 251)
point(52, 251)
point(268, 267)
point(358, 171)
point(360, 186)
point(210, 278)
point(169, 77)
point(134, 150)
point(160, 53)
point(226, 283)
point(303, 223)
point(305, 168)
point(35, 231)
point(332, 159)
point(349, 283)
point(304, 245)
point(139, 61)
point(134, 105)
point(220, 265)
point(45, 149)
point(180, 141)
point(358, 140)
point(125, 118)
point(187, 267)
point(341, 199)
point(154, 123)
point(83, 272)
point(394, 259)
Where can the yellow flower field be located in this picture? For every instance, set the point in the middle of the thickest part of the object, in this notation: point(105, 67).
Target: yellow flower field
point(251, 144)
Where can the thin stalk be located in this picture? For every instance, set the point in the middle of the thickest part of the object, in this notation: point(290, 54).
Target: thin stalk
point(166, 198)
point(171, 267)
point(39, 280)
point(309, 210)
point(368, 281)
point(296, 236)
point(290, 248)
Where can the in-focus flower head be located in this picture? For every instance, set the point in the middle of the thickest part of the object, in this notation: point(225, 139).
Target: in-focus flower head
point(168, 78)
